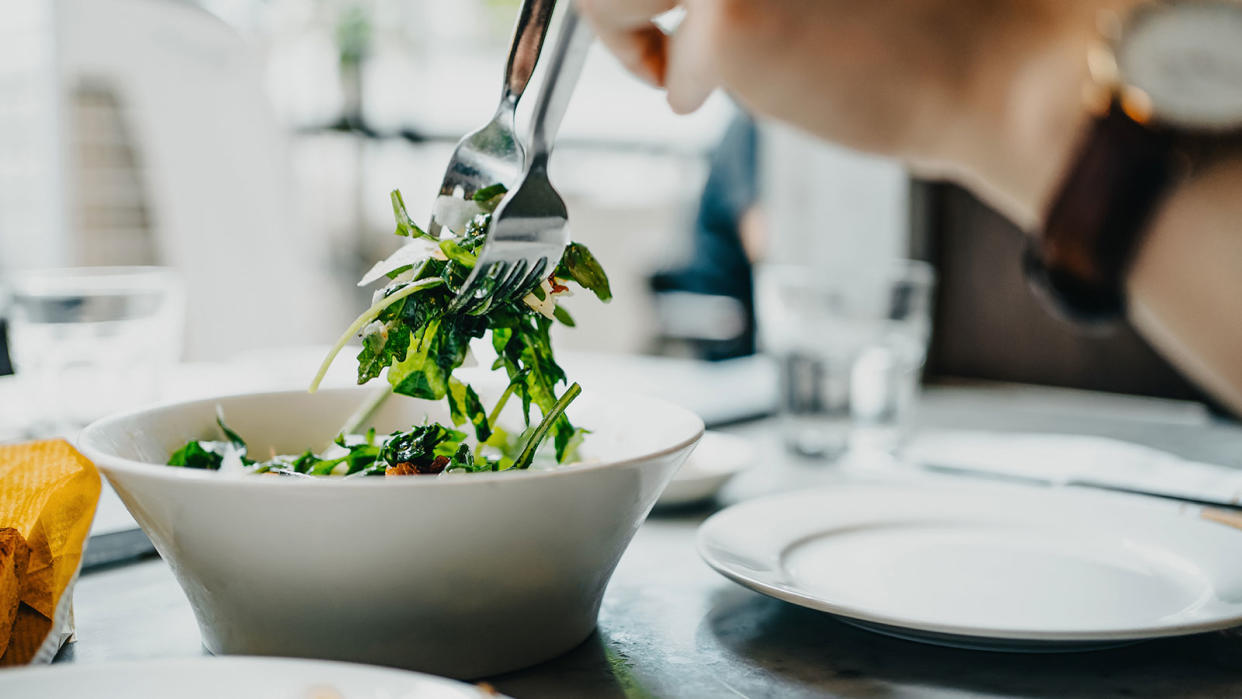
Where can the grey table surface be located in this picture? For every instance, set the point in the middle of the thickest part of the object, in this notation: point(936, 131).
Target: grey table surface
point(671, 627)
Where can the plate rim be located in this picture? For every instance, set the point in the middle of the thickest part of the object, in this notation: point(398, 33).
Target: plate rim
point(712, 482)
point(817, 603)
point(419, 680)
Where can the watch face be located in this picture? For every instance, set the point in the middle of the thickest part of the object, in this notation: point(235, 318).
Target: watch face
point(1187, 57)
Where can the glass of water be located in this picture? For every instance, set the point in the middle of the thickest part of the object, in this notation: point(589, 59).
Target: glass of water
point(851, 345)
point(91, 340)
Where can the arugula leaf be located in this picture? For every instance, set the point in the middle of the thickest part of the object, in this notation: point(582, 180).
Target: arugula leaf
point(386, 345)
point(458, 254)
point(581, 267)
point(464, 405)
point(426, 449)
point(410, 332)
point(555, 415)
point(238, 443)
point(195, 455)
point(563, 315)
point(405, 225)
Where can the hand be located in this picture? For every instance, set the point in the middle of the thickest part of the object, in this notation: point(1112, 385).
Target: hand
point(987, 91)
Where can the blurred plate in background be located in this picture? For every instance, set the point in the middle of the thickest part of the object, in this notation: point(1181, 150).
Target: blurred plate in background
point(718, 458)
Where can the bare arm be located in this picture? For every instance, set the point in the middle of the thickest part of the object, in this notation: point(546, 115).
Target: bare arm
point(1186, 283)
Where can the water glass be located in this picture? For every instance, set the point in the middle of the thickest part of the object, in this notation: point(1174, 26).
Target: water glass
point(91, 340)
point(850, 345)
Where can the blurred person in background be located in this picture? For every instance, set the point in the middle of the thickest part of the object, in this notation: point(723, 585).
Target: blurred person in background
point(990, 93)
point(728, 238)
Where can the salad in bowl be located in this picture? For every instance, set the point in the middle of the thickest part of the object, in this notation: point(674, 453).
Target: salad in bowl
point(411, 334)
point(456, 521)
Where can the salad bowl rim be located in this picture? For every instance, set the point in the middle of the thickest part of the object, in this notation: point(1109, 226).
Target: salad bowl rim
point(107, 460)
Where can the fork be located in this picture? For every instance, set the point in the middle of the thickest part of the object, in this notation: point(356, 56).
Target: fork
point(529, 229)
point(493, 154)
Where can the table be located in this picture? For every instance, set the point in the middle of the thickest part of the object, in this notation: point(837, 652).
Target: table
point(671, 627)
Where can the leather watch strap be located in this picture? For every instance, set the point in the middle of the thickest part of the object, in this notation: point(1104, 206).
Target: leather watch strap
point(1096, 221)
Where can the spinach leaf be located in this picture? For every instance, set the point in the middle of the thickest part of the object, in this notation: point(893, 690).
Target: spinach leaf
point(195, 455)
point(410, 332)
point(426, 449)
point(581, 267)
point(405, 225)
point(465, 406)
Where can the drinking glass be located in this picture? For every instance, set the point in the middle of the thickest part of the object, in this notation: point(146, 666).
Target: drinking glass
point(850, 345)
point(91, 340)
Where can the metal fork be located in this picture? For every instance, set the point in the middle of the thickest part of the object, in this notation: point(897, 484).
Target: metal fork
point(494, 154)
point(529, 229)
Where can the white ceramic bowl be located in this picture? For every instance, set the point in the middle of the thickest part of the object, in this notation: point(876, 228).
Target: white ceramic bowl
point(465, 575)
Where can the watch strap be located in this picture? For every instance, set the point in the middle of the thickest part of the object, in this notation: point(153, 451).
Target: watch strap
point(1095, 223)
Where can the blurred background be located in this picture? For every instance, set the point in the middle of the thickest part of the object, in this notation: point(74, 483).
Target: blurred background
point(251, 145)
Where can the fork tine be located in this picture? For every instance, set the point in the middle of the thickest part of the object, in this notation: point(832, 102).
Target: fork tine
point(536, 275)
point(479, 286)
point(509, 285)
point(532, 280)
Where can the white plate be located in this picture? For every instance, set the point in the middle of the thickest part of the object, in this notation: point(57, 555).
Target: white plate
point(718, 458)
point(235, 678)
point(984, 566)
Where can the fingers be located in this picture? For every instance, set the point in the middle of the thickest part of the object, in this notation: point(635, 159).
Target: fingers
point(623, 14)
point(690, 76)
point(678, 62)
point(643, 51)
point(625, 28)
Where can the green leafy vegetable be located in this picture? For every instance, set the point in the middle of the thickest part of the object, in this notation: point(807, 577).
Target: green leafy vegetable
point(422, 450)
point(405, 225)
point(196, 455)
point(410, 333)
point(580, 266)
point(420, 343)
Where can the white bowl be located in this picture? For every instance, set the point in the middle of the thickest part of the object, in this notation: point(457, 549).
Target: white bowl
point(462, 575)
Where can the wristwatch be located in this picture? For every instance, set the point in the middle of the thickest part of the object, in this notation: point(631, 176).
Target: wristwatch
point(1166, 98)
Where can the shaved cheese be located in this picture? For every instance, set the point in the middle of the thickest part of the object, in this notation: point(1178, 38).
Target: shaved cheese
point(545, 306)
point(232, 460)
point(410, 254)
point(453, 213)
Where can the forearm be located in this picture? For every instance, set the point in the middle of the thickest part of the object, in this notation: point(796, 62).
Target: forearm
point(1185, 285)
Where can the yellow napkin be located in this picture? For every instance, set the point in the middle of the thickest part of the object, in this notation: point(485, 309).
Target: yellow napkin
point(48, 494)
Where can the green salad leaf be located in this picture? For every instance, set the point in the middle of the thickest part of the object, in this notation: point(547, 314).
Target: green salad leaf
point(421, 343)
point(410, 335)
point(422, 450)
point(196, 455)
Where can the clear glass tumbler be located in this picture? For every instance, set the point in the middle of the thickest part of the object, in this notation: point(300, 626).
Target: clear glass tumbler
point(91, 340)
point(851, 346)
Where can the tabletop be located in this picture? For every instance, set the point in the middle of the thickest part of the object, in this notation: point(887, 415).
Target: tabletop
point(671, 627)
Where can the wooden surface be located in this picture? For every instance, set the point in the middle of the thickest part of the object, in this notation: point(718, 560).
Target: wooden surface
point(670, 627)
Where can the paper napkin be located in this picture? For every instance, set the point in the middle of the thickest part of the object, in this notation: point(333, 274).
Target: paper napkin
point(48, 494)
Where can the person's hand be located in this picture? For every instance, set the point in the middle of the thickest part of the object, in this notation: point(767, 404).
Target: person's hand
point(988, 90)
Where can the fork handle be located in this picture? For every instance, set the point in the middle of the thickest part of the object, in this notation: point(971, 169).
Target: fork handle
point(532, 26)
point(568, 57)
